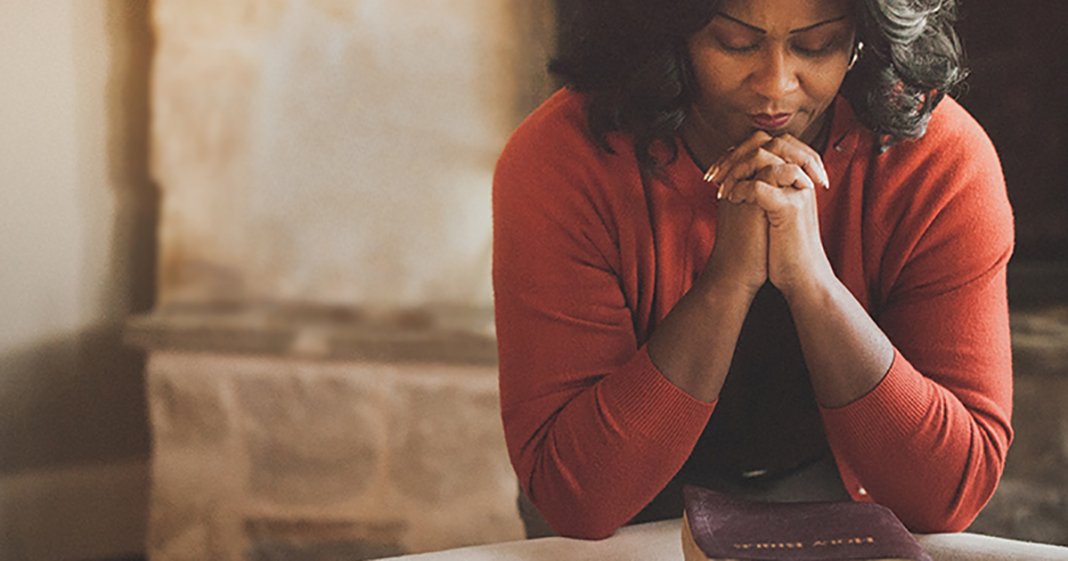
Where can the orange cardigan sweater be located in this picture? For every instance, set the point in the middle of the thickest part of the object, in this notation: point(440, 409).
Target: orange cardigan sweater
point(589, 256)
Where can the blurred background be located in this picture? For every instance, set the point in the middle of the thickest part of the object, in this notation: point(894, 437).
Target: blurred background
point(246, 306)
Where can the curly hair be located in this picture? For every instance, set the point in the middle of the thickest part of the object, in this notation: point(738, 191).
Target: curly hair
point(630, 58)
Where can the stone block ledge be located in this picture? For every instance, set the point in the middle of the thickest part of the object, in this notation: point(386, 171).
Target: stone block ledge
point(1040, 341)
point(448, 334)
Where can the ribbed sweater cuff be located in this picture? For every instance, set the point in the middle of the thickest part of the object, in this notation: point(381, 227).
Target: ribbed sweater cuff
point(656, 408)
point(887, 415)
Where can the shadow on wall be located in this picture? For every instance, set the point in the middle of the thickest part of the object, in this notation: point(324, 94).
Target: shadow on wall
point(76, 399)
point(73, 426)
point(79, 397)
point(137, 200)
point(535, 23)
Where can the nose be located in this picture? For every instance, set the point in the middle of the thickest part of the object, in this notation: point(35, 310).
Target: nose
point(775, 75)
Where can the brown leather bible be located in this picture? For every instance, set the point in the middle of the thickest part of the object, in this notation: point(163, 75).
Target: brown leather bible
point(720, 527)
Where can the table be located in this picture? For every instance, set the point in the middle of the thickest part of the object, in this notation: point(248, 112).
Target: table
point(661, 541)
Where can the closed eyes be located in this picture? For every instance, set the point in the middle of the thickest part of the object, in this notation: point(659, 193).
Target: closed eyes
point(810, 49)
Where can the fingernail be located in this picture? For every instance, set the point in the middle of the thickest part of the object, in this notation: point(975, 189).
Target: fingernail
point(719, 193)
point(711, 175)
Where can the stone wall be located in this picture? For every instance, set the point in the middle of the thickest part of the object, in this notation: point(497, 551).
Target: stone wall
point(321, 450)
point(322, 378)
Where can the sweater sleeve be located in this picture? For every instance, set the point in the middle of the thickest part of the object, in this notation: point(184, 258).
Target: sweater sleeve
point(930, 441)
point(594, 431)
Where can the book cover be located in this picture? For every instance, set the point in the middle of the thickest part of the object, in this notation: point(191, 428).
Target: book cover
point(721, 527)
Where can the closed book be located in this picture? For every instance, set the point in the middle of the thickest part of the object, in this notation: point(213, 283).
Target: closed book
point(721, 527)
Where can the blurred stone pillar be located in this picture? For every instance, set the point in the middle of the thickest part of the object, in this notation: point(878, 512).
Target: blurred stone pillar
point(322, 377)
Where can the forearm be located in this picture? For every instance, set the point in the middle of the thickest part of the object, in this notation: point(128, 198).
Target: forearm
point(847, 354)
point(609, 451)
point(693, 346)
point(885, 419)
point(914, 446)
point(589, 472)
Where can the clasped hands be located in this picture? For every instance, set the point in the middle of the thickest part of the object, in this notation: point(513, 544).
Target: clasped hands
point(767, 220)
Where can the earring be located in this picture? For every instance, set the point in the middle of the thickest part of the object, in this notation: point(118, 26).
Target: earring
point(856, 54)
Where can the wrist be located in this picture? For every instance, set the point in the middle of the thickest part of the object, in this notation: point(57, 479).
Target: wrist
point(811, 291)
point(725, 287)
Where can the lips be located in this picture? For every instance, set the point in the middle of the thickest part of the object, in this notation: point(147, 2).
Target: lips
point(770, 122)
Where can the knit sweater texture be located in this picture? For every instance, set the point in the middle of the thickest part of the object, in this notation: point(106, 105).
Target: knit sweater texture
point(590, 254)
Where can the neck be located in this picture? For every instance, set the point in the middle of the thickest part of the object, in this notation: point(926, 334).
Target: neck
point(819, 130)
point(816, 136)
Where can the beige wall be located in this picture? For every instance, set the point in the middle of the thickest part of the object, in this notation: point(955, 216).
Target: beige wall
point(77, 256)
point(334, 152)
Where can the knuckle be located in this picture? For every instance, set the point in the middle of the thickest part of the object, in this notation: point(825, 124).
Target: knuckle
point(764, 190)
point(764, 154)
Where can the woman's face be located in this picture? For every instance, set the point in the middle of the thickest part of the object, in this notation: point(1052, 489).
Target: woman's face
point(774, 65)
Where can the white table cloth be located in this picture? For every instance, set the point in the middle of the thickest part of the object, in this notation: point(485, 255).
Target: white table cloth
point(661, 541)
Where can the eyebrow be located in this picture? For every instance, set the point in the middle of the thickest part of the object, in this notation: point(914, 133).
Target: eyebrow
point(792, 31)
